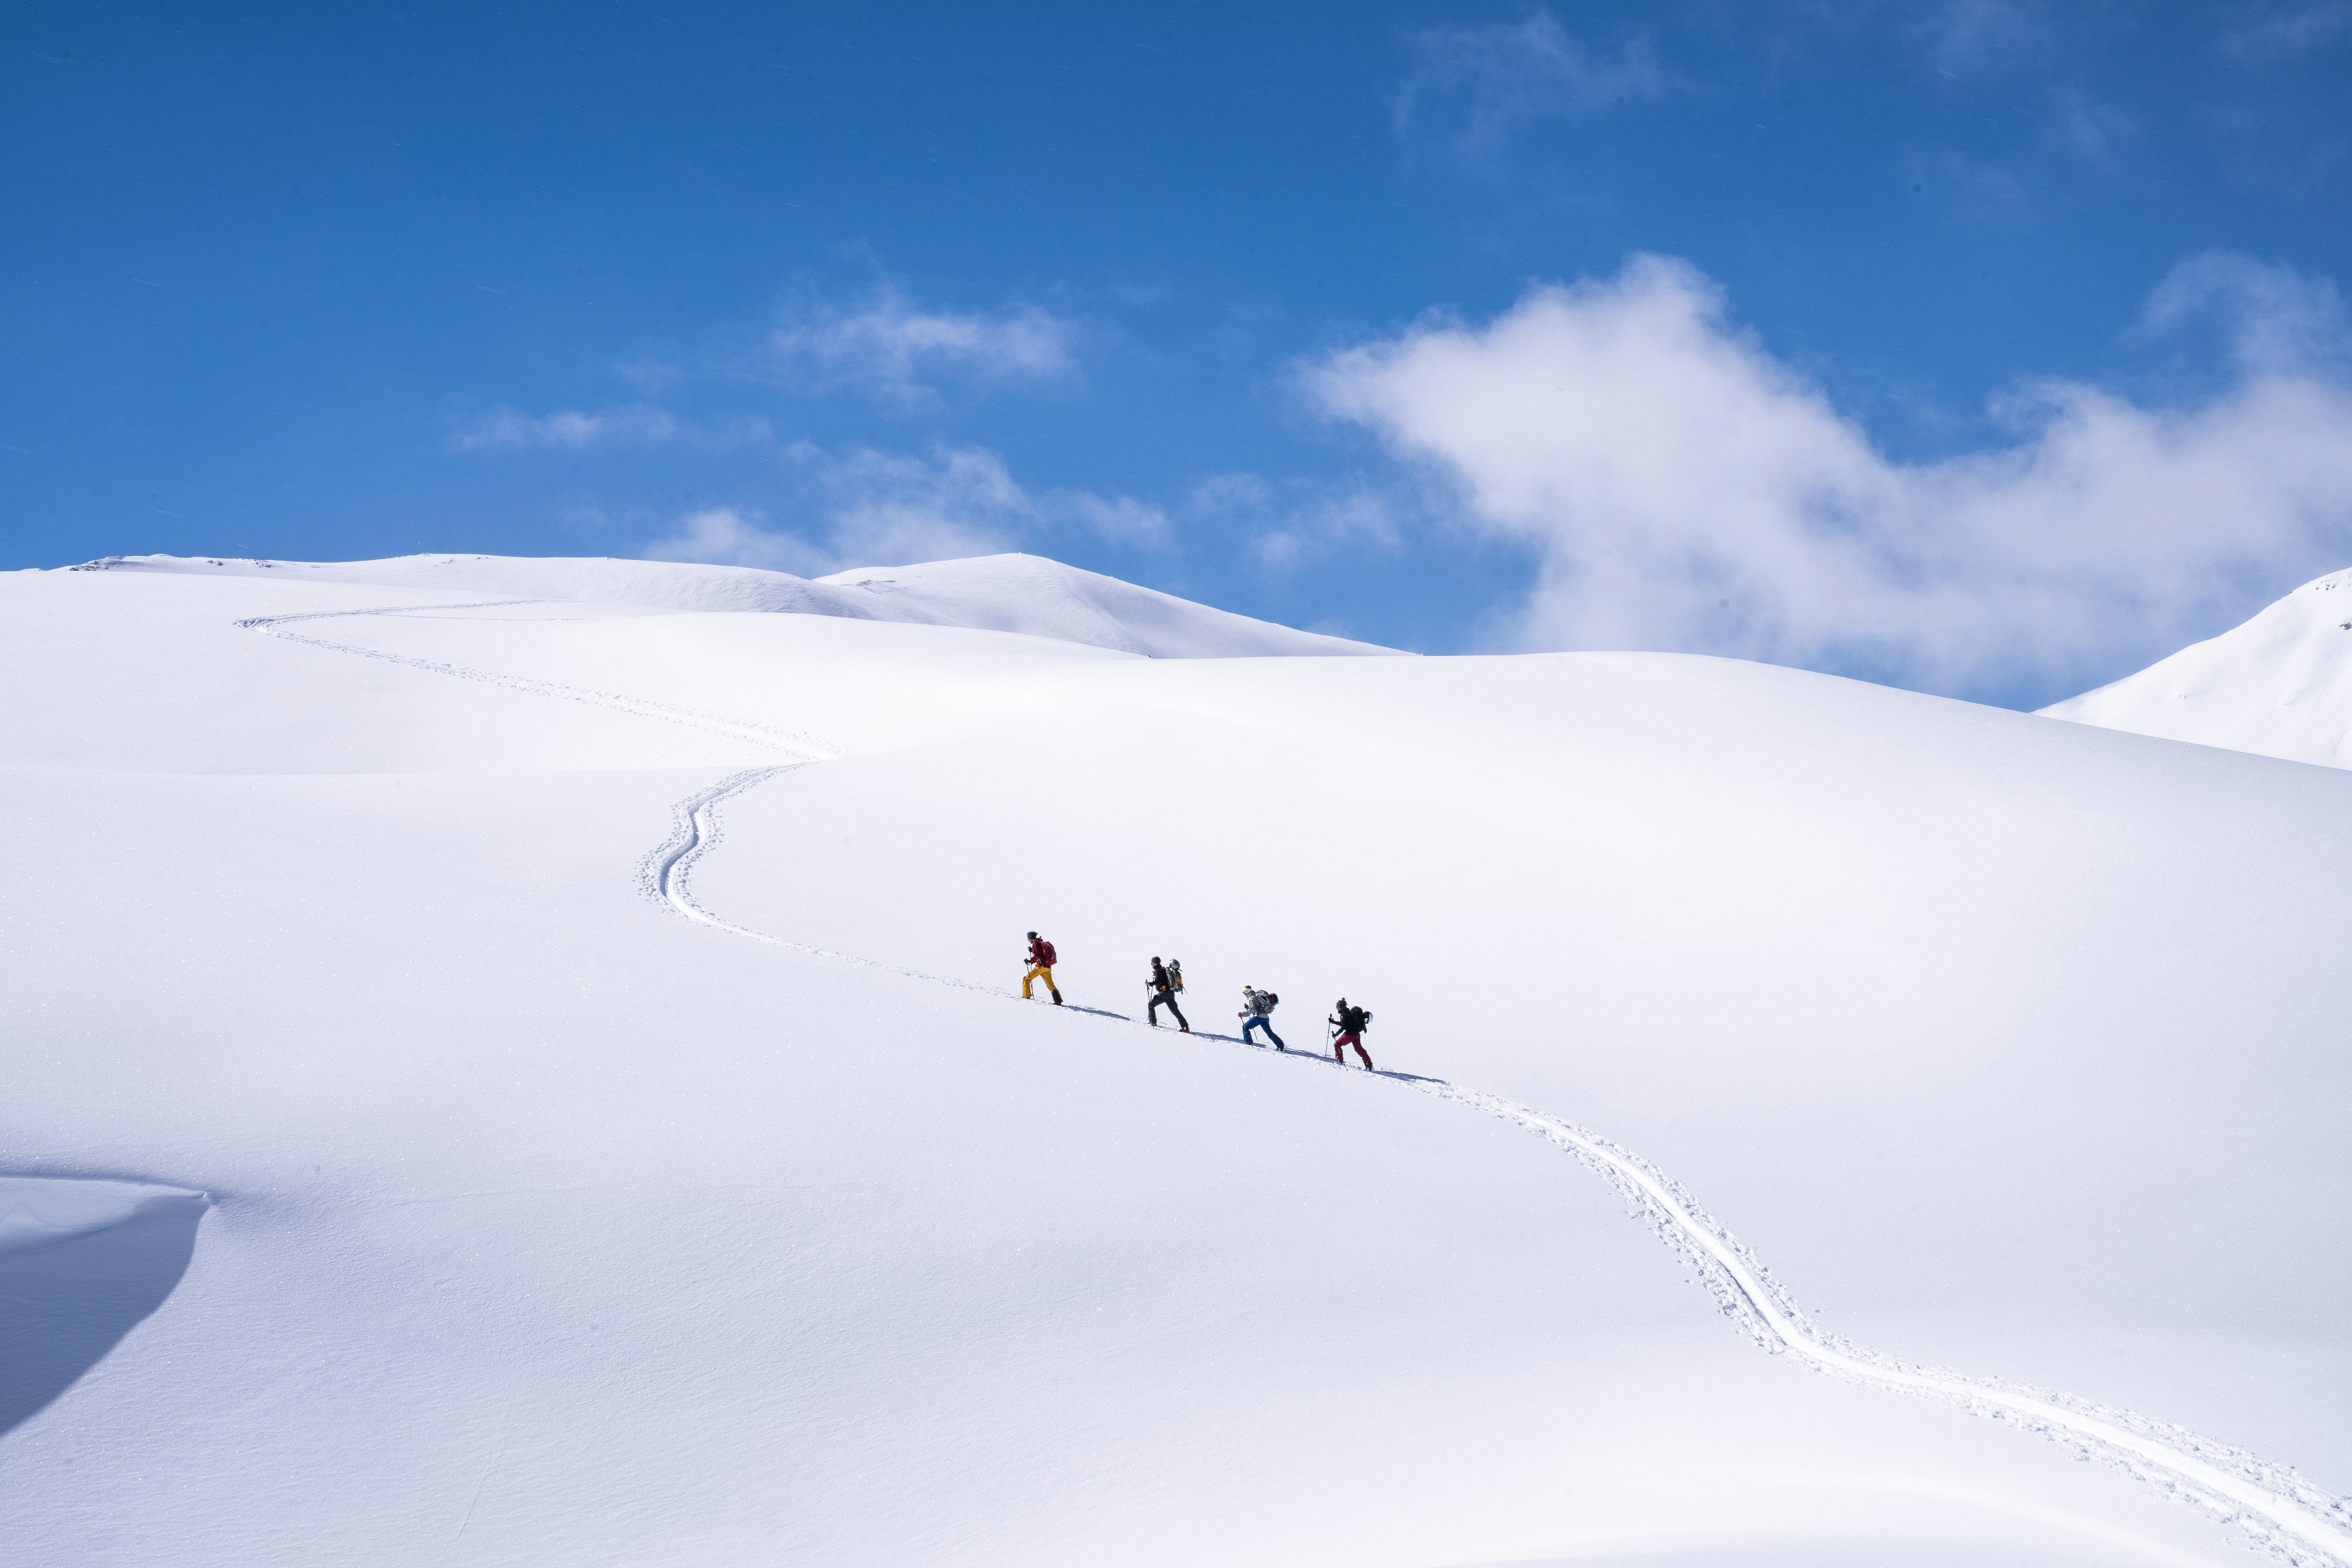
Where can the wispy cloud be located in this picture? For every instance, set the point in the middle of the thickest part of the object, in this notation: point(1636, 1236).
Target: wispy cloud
point(893, 349)
point(1293, 521)
point(1969, 43)
point(2280, 321)
point(2274, 34)
point(888, 508)
point(1685, 491)
point(1977, 36)
point(731, 536)
point(1476, 82)
point(1974, 193)
point(505, 429)
point(870, 508)
point(651, 377)
point(1121, 519)
point(2089, 128)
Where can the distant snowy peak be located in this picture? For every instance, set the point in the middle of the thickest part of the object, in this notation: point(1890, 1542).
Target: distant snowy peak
point(2280, 685)
point(1045, 598)
point(1025, 593)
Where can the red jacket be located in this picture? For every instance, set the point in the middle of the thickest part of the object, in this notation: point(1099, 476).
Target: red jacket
point(1041, 952)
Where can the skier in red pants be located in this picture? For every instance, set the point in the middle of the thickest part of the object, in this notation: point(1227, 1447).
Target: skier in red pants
point(1351, 1023)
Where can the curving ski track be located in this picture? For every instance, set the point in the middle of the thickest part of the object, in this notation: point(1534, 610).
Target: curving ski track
point(2277, 1509)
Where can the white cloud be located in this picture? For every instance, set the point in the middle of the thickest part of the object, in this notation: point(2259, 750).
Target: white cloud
point(890, 346)
point(505, 429)
point(888, 509)
point(1683, 489)
point(1487, 78)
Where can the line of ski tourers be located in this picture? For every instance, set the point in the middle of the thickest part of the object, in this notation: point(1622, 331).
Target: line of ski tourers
point(1167, 983)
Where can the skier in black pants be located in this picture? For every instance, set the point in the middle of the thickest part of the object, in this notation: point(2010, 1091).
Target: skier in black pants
point(1351, 1023)
point(1165, 981)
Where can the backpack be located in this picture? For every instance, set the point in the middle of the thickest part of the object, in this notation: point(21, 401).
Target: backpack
point(1272, 1000)
point(1175, 977)
point(1046, 953)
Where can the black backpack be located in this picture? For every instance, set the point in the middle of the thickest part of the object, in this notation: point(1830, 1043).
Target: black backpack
point(1272, 1000)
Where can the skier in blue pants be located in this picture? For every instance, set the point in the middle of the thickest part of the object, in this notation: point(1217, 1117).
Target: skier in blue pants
point(1258, 1010)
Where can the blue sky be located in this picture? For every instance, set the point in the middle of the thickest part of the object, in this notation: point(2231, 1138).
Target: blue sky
point(1984, 347)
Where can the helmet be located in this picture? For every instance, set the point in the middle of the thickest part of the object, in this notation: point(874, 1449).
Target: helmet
point(1033, 936)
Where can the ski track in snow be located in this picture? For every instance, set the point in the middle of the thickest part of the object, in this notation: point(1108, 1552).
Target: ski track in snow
point(792, 744)
point(2276, 1508)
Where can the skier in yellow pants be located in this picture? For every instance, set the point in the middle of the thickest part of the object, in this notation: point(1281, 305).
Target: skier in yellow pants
point(1041, 967)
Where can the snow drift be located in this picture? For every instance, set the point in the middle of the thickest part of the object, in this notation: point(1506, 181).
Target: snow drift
point(81, 1264)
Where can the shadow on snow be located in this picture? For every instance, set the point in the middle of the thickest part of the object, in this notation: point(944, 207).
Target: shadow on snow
point(78, 1271)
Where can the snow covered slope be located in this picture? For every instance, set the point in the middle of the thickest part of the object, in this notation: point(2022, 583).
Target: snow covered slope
point(994, 592)
point(2280, 685)
point(591, 1033)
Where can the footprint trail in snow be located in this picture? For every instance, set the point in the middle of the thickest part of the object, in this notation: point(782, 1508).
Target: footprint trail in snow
point(2292, 1520)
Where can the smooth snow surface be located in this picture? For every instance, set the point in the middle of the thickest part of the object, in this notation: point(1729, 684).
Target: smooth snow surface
point(546, 1225)
point(993, 593)
point(2279, 685)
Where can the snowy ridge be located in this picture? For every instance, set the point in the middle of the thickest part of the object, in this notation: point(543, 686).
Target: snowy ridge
point(2295, 1522)
point(1026, 594)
